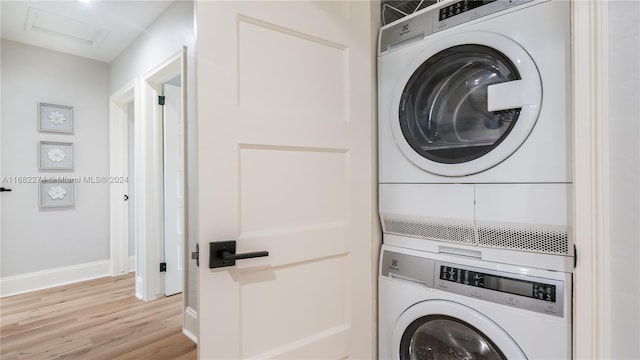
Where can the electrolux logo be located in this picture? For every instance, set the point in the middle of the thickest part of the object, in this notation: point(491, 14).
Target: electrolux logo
point(394, 265)
point(404, 29)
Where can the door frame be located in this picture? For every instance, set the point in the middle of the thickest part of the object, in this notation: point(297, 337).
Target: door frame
point(592, 305)
point(118, 167)
point(174, 193)
point(151, 160)
point(148, 185)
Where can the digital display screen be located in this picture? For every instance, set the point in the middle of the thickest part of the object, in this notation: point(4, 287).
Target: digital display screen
point(530, 289)
point(515, 287)
point(460, 7)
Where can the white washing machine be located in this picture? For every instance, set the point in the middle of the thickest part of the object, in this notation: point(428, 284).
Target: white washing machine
point(475, 128)
point(452, 307)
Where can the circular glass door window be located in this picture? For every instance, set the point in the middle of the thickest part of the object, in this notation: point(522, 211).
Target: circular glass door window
point(441, 337)
point(443, 109)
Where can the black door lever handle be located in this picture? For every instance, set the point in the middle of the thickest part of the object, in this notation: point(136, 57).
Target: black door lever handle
point(227, 255)
point(223, 253)
point(2, 189)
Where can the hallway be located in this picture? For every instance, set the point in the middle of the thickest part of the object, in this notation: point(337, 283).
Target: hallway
point(96, 319)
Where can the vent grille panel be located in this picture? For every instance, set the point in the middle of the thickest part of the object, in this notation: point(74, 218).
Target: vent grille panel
point(524, 237)
point(459, 232)
point(546, 239)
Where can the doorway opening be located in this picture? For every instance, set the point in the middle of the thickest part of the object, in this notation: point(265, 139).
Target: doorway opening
point(173, 184)
point(160, 247)
point(151, 150)
point(122, 218)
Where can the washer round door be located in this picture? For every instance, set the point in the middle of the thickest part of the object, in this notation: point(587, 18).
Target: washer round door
point(466, 104)
point(439, 329)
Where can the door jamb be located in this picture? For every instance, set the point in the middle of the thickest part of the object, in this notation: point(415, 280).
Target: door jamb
point(591, 312)
point(118, 168)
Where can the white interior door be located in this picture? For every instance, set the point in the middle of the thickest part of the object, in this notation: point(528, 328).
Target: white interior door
point(286, 154)
point(173, 189)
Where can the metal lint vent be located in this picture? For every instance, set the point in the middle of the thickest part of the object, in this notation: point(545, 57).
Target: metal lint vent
point(430, 229)
point(546, 239)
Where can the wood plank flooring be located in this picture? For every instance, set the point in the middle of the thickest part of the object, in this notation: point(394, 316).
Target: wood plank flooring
point(96, 319)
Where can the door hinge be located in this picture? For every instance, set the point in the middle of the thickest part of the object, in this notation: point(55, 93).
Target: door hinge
point(160, 100)
point(163, 267)
point(196, 254)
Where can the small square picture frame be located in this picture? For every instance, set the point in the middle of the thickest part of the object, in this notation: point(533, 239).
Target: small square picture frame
point(55, 118)
point(53, 155)
point(55, 194)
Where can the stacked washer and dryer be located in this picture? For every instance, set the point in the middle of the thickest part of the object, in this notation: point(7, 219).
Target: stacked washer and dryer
point(475, 182)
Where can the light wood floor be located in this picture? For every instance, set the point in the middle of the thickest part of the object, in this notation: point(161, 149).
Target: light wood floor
point(97, 319)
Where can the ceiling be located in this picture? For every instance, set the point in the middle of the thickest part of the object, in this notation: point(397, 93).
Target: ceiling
point(96, 29)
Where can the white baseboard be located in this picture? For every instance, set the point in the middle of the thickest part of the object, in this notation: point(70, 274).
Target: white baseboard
point(19, 284)
point(132, 263)
point(139, 283)
point(190, 326)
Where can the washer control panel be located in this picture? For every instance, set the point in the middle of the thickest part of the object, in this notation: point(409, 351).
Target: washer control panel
point(541, 295)
point(522, 291)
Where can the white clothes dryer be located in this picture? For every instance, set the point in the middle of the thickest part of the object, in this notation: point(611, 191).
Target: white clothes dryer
point(475, 127)
point(476, 92)
point(435, 306)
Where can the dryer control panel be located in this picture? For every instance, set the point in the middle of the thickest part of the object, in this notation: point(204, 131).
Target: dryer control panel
point(439, 17)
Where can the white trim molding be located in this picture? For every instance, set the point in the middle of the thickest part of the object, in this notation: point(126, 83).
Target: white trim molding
point(20, 284)
point(132, 263)
point(118, 168)
point(591, 179)
point(190, 325)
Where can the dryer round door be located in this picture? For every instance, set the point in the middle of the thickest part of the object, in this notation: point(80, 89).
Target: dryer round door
point(467, 103)
point(439, 329)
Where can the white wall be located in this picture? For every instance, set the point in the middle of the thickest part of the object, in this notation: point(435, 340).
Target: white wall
point(624, 127)
point(35, 239)
point(173, 29)
point(160, 40)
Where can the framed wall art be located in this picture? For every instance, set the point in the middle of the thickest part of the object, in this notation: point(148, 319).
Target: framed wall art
point(55, 118)
point(55, 155)
point(56, 194)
